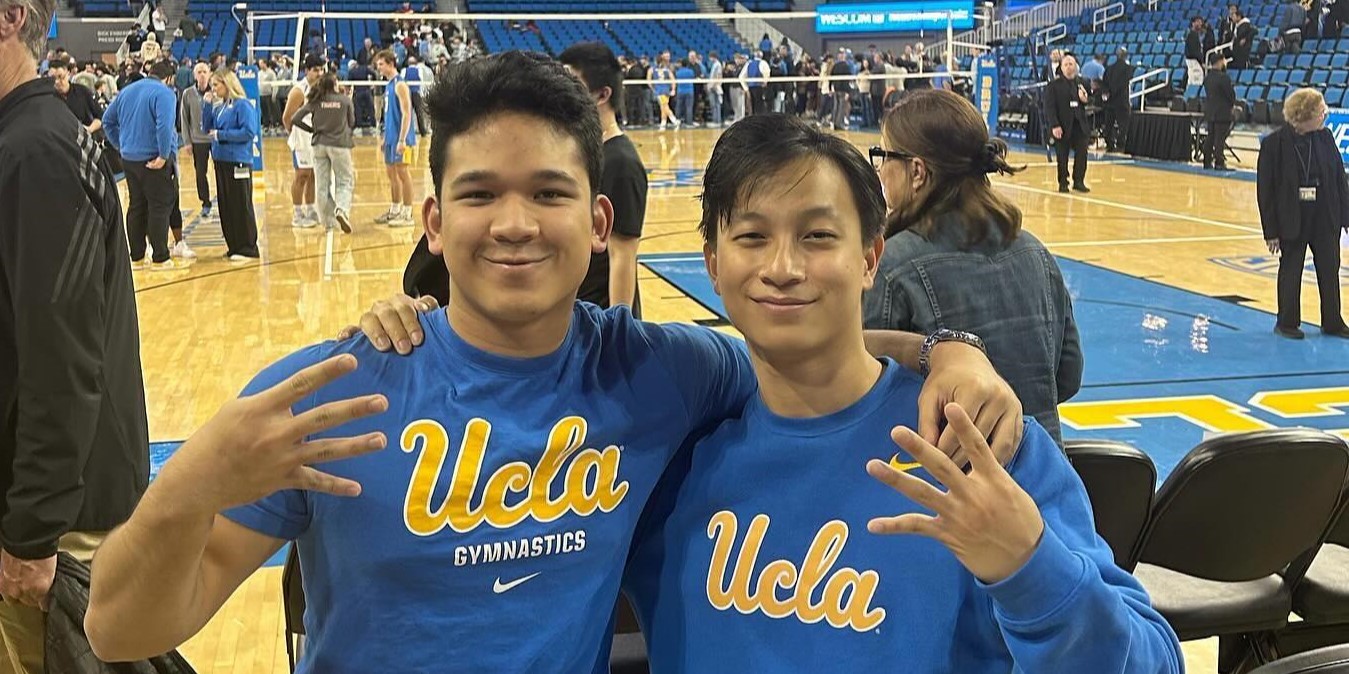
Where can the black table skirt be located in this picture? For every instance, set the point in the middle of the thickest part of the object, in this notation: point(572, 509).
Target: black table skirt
point(1159, 136)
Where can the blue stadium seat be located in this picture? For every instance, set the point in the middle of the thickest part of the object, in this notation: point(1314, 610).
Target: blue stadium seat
point(1321, 61)
point(1246, 76)
point(1312, 45)
point(1320, 78)
point(1304, 60)
point(1335, 97)
point(1285, 61)
point(1263, 76)
point(1339, 78)
point(1339, 61)
point(1296, 77)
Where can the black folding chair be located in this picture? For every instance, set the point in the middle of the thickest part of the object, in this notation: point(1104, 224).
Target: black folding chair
point(1120, 480)
point(1321, 600)
point(628, 655)
point(292, 601)
point(1329, 660)
point(1234, 529)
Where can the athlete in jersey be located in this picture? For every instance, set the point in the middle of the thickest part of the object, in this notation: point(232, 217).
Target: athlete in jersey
point(301, 142)
point(303, 185)
point(758, 554)
point(397, 141)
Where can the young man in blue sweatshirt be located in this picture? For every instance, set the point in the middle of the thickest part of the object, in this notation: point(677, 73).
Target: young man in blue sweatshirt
point(530, 430)
point(140, 124)
point(774, 553)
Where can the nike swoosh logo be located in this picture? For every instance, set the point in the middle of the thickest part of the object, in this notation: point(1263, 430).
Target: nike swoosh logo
point(499, 587)
point(902, 466)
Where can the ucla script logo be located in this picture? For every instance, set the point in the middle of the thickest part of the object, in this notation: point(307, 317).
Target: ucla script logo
point(589, 479)
point(846, 596)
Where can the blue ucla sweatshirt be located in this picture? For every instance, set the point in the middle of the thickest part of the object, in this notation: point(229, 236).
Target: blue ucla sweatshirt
point(236, 125)
point(758, 559)
point(140, 121)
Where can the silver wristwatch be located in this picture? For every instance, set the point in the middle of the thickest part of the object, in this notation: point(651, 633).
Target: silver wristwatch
point(945, 335)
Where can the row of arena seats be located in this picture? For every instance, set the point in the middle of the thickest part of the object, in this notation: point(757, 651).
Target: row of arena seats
point(1258, 104)
point(1246, 530)
point(635, 38)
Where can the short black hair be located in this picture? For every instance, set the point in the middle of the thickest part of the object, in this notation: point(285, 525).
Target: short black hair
point(466, 94)
point(756, 147)
point(163, 70)
point(598, 67)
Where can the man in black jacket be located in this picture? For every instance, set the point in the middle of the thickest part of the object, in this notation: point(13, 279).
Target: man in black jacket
point(1115, 101)
point(74, 456)
point(1221, 98)
point(1243, 38)
point(1066, 115)
point(1194, 52)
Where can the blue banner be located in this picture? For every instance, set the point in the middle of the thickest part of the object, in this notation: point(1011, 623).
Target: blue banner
point(894, 17)
point(986, 90)
point(248, 76)
point(1338, 123)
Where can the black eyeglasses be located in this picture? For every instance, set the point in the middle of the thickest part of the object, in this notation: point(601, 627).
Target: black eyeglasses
point(879, 155)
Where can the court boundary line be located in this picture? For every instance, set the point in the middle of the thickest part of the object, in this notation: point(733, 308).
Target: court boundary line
point(1131, 207)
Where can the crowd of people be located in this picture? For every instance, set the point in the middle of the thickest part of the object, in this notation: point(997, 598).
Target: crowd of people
point(677, 92)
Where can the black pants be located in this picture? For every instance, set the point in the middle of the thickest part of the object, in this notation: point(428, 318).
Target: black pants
point(1216, 143)
point(151, 197)
point(1324, 241)
point(365, 109)
point(1114, 126)
point(758, 100)
point(201, 160)
point(1074, 138)
point(235, 200)
point(417, 110)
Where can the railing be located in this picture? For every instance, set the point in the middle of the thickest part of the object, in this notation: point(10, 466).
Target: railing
point(1103, 15)
point(1220, 48)
point(1051, 34)
point(748, 24)
point(1142, 94)
point(1017, 25)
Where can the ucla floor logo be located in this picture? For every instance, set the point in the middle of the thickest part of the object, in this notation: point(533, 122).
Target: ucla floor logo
point(1268, 266)
point(681, 177)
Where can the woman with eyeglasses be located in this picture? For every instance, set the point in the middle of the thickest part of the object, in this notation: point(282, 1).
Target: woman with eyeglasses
point(956, 257)
point(1304, 202)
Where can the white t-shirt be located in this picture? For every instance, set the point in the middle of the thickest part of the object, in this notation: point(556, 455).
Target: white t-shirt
point(300, 140)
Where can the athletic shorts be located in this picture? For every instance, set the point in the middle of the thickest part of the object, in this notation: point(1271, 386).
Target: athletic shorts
point(391, 155)
point(303, 160)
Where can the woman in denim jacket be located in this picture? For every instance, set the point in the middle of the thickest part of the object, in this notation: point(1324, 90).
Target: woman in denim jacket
point(956, 258)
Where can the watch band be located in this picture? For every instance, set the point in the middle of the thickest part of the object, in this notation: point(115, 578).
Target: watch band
point(945, 335)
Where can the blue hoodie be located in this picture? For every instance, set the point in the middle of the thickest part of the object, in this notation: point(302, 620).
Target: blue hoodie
point(236, 125)
point(140, 121)
point(761, 561)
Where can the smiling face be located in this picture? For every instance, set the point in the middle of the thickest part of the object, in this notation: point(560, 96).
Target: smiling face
point(790, 266)
point(516, 221)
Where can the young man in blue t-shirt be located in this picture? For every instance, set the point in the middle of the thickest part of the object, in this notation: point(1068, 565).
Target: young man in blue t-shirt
point(529, 430)
point(772, 554)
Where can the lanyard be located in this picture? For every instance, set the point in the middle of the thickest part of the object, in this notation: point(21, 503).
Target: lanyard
point(1305, 163)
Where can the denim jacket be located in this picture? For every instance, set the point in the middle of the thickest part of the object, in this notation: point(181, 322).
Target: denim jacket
point(1011, 295)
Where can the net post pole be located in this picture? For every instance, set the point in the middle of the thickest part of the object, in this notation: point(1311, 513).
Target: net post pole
point(299, 43)
point(252, 37)
point(950, 41)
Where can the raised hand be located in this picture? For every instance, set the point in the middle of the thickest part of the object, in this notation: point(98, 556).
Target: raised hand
point(985, 518)
point(254, 446)
point(963, 375)
point(393, 322)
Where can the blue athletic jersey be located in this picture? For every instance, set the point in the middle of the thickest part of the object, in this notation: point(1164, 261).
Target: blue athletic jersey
point(760, 561)
point(491, 533)
point(393, 115)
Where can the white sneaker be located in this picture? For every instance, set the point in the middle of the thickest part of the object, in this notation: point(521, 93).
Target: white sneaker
point(180, 250)
point(166, 265)
point(302, 221)
point(401, 219)
point(387, 217)
point(138, 265)
point(241, 258)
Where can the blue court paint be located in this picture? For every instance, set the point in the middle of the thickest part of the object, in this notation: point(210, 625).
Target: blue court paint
point(161, 451)
point(1145, 340)
point(1268, 267)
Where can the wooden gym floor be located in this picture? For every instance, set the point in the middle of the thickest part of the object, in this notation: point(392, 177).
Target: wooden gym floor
point(207, 328)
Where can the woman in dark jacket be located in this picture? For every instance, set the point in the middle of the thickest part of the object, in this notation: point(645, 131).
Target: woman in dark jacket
point(1304, 202)
point(956, 257)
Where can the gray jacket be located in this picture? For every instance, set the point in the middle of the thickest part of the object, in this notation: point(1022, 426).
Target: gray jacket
point(190, 112)
point(1012, 296)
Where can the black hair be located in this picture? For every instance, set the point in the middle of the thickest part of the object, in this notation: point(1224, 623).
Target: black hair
point(598, 69)
point(754, 149)
point(466, 94)
point(163, 70)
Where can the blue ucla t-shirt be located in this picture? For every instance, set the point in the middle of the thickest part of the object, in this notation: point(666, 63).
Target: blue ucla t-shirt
point(491, 533)
point(758, 559)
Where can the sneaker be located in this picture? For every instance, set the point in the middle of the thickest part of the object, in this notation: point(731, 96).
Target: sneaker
point(1289, 333)
point(344, 221)
point(303, 221)
point(387, 217)
point(138, 265)
point(180, 250)
point(205, 211)
point(241, 258)
point(166, 265)
point(401, 219)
